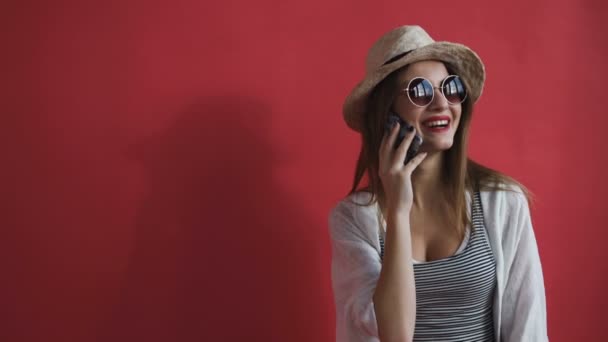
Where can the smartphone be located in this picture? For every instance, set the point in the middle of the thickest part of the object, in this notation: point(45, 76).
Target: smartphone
point(403, 128)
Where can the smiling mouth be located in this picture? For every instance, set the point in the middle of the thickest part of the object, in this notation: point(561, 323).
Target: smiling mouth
point(437, 124)
point(443, 123)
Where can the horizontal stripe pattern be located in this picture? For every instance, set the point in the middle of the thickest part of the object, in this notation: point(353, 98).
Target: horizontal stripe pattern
point(454, 295)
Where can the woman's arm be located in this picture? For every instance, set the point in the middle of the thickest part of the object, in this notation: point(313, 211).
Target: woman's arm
point(524, 315)
point(355, 268)
point(395, 295)
point(357, 276)
point(370, 305)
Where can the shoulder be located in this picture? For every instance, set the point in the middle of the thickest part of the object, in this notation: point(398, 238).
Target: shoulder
point(506, 212)
point(354, 215)
point(354, 204)
point(503, 198)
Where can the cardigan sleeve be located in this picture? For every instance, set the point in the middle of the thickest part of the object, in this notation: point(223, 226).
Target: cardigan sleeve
point(524, 305)
point(355, 269)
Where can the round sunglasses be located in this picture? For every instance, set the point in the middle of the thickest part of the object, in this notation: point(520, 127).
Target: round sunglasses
point(421, 91)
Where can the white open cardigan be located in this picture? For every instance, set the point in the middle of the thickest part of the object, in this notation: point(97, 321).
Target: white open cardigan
point(519, 299)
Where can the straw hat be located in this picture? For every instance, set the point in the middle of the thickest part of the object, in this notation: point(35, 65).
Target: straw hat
point(405, 45)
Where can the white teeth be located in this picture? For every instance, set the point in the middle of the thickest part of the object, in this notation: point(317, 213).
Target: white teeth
point(436, 123)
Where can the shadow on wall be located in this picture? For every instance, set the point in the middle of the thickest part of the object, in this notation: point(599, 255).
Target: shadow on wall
point(220, 252)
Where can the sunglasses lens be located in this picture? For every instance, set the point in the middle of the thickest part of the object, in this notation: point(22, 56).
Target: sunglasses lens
point(453, 90)
point(420, 91)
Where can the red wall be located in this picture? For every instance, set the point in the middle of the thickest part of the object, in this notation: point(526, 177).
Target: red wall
point(168, 166)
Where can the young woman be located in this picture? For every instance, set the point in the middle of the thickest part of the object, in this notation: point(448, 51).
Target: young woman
point(434, 247)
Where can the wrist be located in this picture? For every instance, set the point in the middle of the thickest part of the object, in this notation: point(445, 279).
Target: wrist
point(398, 211)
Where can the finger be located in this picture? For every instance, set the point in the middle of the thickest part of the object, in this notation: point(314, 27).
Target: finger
point(388, 141)
point(401, 152)
point(414, 162)
point(389, 136)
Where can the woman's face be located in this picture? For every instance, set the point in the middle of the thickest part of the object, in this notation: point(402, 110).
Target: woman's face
point(423, 118)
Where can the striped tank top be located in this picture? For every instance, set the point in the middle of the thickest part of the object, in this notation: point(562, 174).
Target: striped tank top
point(454, 295)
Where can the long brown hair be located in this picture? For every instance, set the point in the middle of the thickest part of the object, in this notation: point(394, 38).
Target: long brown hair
point(460, 174)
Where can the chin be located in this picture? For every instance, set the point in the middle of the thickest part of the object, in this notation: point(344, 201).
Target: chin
point(437, 146)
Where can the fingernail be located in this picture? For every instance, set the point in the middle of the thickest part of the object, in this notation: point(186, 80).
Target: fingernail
point(411, 128)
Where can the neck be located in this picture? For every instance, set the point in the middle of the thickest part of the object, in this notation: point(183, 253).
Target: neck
point(427, 183)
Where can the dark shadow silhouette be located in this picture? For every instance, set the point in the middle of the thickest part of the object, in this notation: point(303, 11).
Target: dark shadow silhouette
point(221, 253)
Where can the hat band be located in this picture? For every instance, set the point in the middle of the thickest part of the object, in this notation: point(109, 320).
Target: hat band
point(391, 60)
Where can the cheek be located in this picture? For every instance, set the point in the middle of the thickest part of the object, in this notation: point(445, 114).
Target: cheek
point(408, 111)
point(457, 114)
point(457, 122)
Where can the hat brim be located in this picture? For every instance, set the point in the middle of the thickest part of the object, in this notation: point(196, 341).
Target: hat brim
point(464, 62)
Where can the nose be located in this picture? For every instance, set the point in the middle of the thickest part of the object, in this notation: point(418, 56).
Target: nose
point(439, 101)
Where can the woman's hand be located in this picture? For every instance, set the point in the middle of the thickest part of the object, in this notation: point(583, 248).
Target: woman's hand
point(395, 176)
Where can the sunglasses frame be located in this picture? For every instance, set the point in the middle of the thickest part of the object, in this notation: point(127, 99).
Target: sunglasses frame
point(440, 88)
